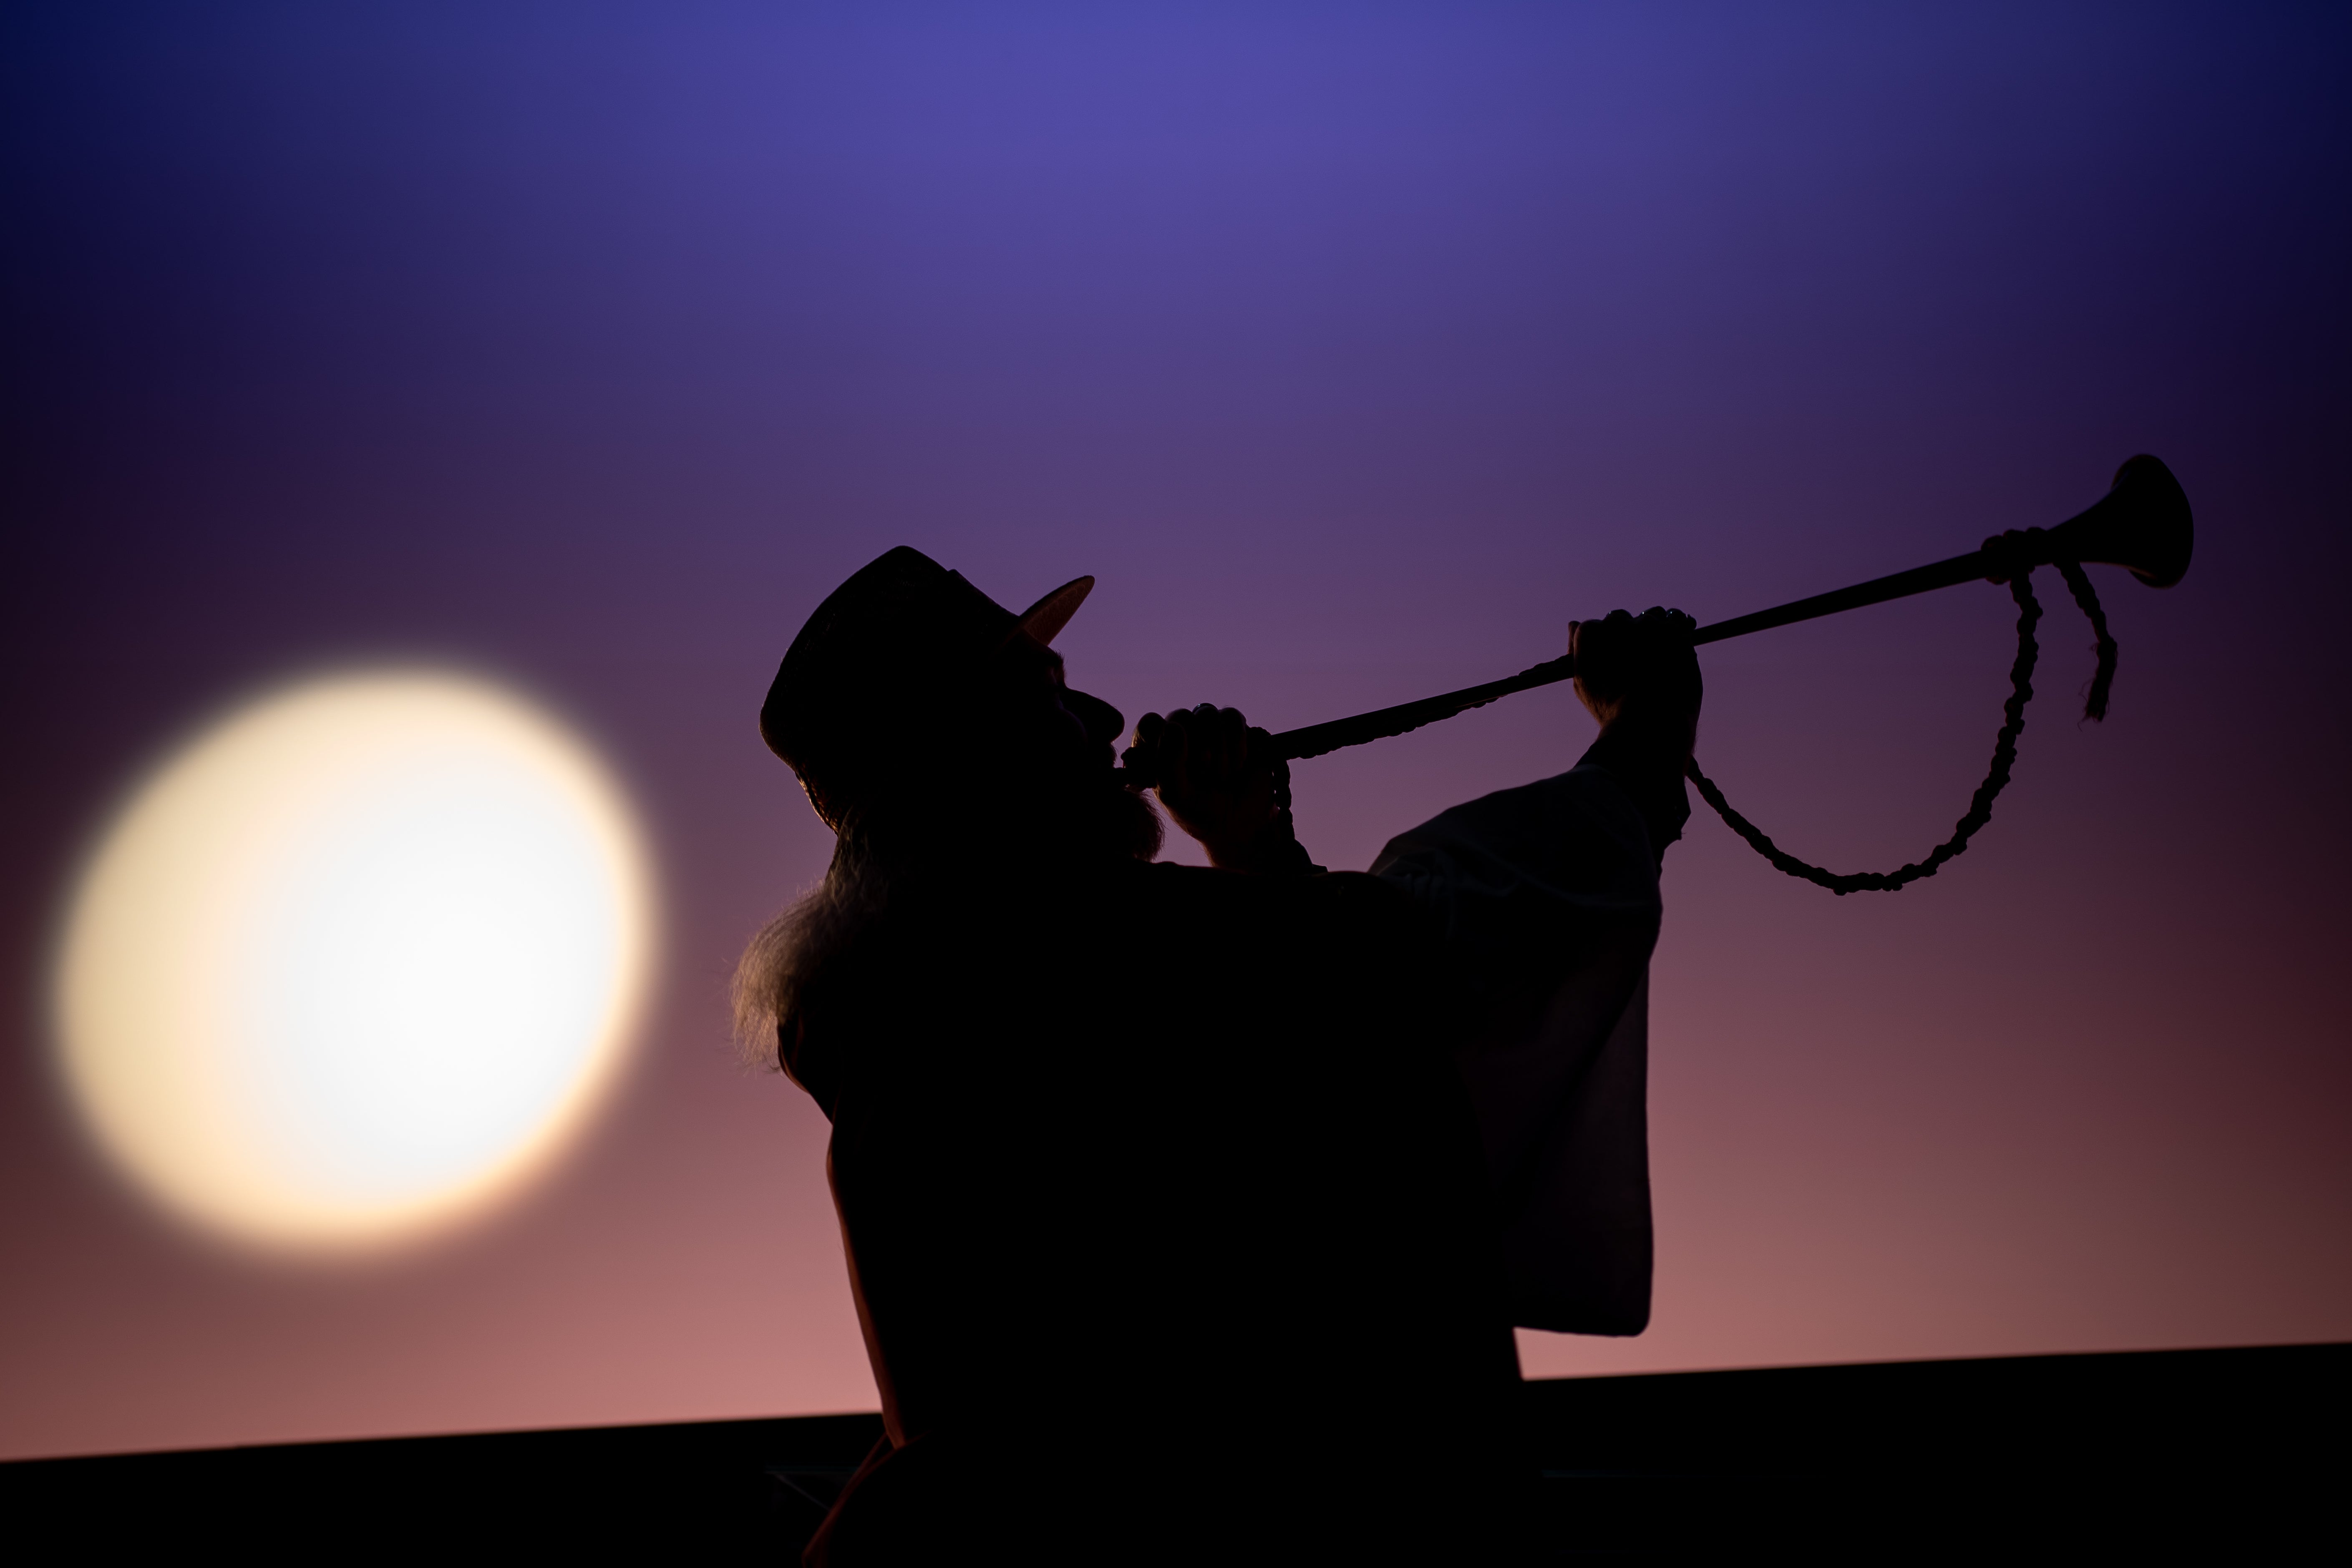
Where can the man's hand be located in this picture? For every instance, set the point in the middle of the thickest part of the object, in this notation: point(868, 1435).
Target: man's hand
point(1215, 775)
point(1639, 677)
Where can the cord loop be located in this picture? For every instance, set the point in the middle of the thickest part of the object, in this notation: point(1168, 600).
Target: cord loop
point(2004, 745)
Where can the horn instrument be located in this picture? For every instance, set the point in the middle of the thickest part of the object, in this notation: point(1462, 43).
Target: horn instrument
point(2141, 524)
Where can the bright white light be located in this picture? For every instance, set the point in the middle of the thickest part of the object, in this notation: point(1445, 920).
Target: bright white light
point(356, 963)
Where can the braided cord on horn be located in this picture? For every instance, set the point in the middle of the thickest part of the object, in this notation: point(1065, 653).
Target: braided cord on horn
point(2095, 702)
point(2004, 750)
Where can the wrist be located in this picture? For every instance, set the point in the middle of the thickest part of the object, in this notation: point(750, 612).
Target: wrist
point(1649, 766)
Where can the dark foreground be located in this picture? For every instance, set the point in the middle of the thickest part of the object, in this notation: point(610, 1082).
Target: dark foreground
point(2226, 1456)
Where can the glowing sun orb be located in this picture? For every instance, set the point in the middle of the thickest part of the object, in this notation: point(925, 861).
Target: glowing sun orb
point(356, 963)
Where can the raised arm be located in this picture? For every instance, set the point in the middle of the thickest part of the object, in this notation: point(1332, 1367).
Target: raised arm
point(1549, 895)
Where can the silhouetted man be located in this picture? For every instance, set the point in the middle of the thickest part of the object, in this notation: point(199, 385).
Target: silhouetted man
point(1188, 1210)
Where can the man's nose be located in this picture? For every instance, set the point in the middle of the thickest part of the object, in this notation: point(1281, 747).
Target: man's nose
point(1104, 723)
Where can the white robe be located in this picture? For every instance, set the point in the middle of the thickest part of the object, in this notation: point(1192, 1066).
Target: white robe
point(1548, 896)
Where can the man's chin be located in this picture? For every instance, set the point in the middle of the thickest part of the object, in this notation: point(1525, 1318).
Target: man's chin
point(1125, 821)
point(1090, 815)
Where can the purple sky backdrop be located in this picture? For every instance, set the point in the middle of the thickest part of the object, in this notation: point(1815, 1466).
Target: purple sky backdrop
point(1355, 350)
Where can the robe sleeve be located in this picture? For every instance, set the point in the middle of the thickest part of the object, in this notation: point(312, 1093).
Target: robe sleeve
point(1547, 897)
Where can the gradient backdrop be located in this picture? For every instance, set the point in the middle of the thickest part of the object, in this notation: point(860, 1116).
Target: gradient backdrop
point(1356, 349)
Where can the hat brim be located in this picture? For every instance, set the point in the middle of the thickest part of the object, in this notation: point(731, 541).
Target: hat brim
point(1044, 619)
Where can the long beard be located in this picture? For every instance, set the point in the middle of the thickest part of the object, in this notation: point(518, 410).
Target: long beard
point(1087, 819)
point(1127, 822)
point(792, 951)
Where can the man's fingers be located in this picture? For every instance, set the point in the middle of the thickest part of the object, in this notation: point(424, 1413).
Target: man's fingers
point(1646, 660)
point(1259, 747)
point(1661, 621)
point(1232, 743)
point(1201, 741)
point(1204, 748)
point(1201, 735)
point(1173, 753)
point(1215, 742)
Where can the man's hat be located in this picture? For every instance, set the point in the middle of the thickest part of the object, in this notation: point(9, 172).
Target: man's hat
point(887, 648)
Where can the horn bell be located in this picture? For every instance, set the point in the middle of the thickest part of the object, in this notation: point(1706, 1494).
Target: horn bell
point(2141, 524)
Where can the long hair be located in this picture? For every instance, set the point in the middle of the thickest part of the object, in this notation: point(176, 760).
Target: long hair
point(772, 976)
